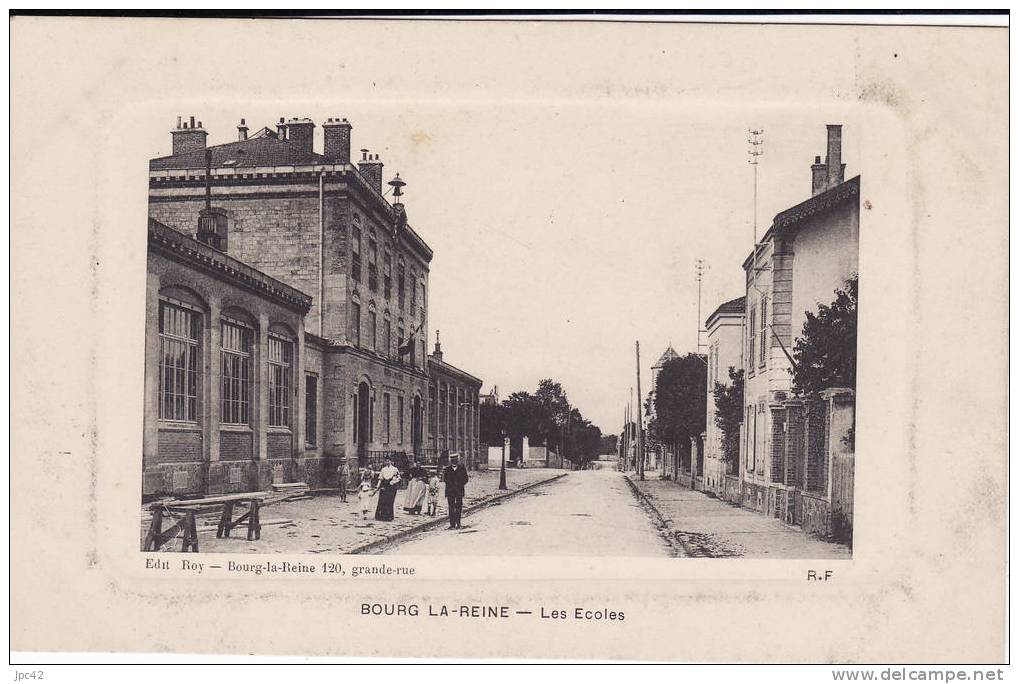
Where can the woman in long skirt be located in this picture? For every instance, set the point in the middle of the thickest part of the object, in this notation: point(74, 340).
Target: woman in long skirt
point(414, 499)
point(389, 480)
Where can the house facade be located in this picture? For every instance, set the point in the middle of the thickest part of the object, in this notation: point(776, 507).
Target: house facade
point(724, 329)
point(809, 251)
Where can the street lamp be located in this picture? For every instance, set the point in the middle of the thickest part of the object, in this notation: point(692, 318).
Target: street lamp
point(502, 468)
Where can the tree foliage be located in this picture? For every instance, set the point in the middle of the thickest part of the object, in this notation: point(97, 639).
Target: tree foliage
point(729, 416)
point(681, 400)
point(825, 352)
point(544, 417)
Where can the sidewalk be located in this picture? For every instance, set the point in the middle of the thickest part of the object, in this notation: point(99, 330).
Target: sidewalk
point(707, 527)
point(324, 524)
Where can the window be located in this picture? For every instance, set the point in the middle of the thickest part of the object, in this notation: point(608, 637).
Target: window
point(389, 338)
point(387, 276)
point(764, 330)
point(280, 357)
point(424, 300)
point(373, 269)
point(451, 418)
point(235, 346)
point(373, 327)
point(385, 417)
point(400, 286)
point(178, 362)
point(399, 417)
point(355, 255)
point(355, 324)
point(443, 409)
point(752, 341)
point(413, 295)
point(311, 409)
point(422, 353)
point(431, 407)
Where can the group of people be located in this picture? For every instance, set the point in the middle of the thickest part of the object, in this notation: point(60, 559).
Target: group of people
point(422, 488)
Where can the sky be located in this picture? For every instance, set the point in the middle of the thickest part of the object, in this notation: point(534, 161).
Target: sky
point(565, 232)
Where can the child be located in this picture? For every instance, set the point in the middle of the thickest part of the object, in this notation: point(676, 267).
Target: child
point(364, 495)
point(433, 494)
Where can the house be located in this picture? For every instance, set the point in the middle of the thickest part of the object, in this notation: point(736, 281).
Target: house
point(810, 250)
point(724, 328)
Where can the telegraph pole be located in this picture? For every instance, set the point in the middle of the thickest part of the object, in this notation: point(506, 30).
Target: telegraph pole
point(640, 420)
point(700, 276)
point(756, 141)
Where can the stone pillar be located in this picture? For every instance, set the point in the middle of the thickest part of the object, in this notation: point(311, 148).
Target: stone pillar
point(505, 450)
point(260, 391)
point(150, 434)
point(525, 450)
point(841, 424)
point(214, 383)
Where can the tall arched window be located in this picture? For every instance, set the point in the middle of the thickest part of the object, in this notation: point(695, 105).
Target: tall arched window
point(373, 327)
point(281, 354)
point(235, 352)
point(355, 255)
point(179, 326)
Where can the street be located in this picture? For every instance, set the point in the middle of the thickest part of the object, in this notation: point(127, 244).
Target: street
point(586, 513)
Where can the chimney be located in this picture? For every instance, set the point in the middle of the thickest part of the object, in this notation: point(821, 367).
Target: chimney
point(371, 170)
point(438, 347)
point(301, 132)
point(818, 177)
point(337, 140)
point(242, 131)
point(836, 169)
point(187, 137)
point(281, 129)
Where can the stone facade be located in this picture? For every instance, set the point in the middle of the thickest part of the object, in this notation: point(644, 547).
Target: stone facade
point(189, 444)
point(320, 225)
point(453, 401)
point(724, 331)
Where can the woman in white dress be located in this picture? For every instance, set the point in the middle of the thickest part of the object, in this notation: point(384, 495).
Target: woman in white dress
point(417, 488)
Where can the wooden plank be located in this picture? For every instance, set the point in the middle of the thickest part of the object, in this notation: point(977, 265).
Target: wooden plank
point(183, 503)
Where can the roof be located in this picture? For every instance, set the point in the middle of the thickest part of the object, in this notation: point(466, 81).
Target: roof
point(733, 306)
point(450, 369)
point(262, 149)
point(818, 204)
point(668, 355)
point(203, 257)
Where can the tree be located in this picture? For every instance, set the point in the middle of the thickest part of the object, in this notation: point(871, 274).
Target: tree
point(609, 444)
point(525, 417)
point(729, 416)
point(681, 402)
point(491, 424)
point(557, 406)
point(825, 352)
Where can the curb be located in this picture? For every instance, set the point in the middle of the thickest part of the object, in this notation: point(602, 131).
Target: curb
point(402, 534)
point(664, 524)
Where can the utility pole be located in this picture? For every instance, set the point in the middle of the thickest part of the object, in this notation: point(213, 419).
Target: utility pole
point(700, 276)
point(640, 420)
point(756, 149)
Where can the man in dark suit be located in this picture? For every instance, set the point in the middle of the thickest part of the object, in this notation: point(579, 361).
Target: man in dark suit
point(455, 478)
